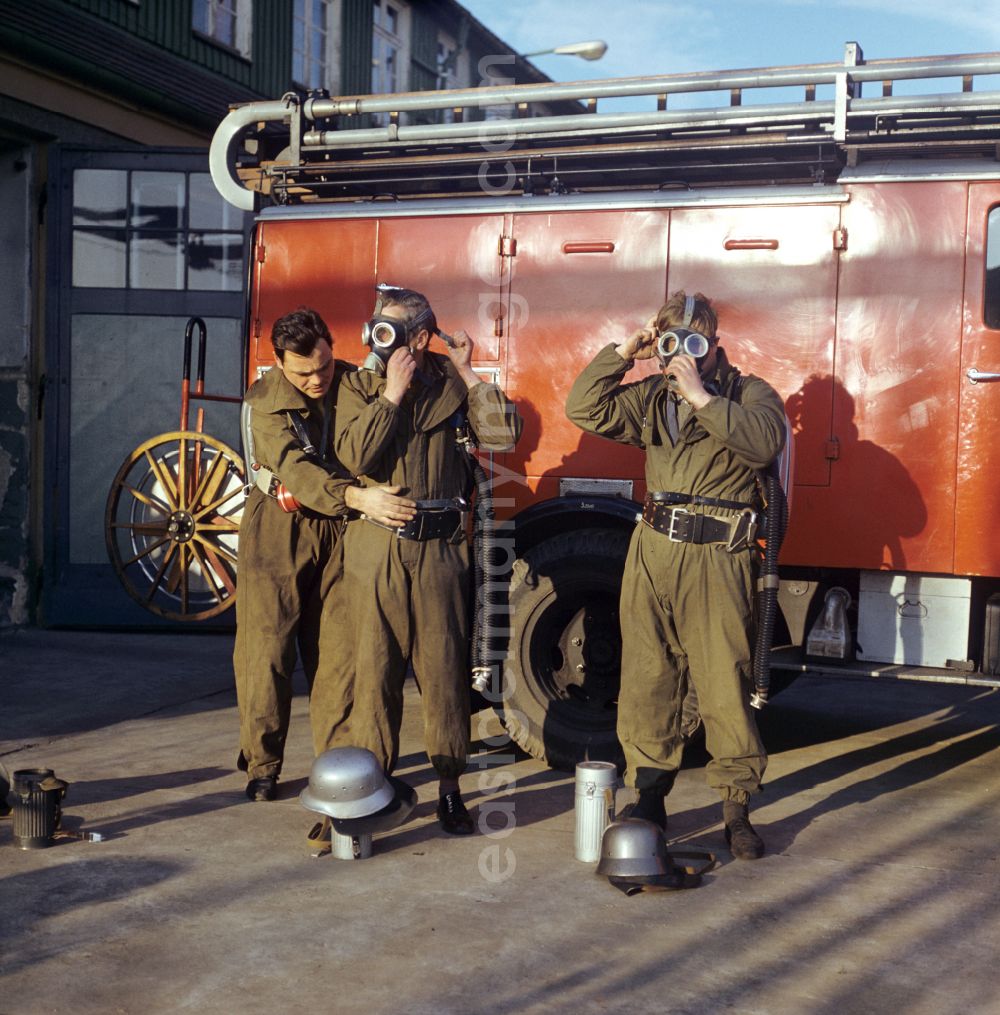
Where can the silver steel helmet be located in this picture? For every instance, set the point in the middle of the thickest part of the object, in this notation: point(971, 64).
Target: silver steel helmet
point(347, 782)
point(633, 848)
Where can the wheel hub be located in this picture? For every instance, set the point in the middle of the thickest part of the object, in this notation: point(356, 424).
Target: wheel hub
point(180, 526)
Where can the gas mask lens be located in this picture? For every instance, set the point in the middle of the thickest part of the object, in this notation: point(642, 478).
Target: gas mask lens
point(386, 334)
point(681, 340)
point(383, 334)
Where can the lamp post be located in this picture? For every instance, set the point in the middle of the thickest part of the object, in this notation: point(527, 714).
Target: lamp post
point(592, 50)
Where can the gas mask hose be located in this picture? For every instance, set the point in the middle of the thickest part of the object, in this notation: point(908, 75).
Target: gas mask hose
point(776, 521)
point(483, 553)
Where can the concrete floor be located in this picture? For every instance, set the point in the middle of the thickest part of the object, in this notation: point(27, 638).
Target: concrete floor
point(878, 893)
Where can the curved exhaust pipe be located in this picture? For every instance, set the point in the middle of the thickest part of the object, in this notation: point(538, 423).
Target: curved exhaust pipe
point(222, 153)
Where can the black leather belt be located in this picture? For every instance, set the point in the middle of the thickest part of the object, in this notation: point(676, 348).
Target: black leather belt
point(666, 497)
point(440, 524)
point(682, 526)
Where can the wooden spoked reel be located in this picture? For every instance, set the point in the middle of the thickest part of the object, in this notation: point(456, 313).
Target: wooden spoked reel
point(172, 525)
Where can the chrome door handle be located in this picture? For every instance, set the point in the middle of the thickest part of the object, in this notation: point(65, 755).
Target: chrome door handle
point(976, 376)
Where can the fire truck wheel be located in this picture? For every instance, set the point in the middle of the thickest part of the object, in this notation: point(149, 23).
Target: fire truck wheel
point(563, 668)
point(172, 525)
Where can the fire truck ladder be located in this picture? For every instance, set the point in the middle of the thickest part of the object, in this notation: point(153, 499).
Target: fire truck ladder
point(552, 138)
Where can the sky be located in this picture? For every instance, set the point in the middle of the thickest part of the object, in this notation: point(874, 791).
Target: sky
point(659, 37)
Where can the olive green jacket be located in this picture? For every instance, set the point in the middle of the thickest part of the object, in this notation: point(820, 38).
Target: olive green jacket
point(718, 447)
point(413, 444)
point(276, 447)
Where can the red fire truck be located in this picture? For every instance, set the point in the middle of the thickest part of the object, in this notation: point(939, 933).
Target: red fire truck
point(844, 220)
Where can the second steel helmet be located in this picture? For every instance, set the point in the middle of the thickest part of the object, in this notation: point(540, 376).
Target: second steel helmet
point(634, 858)
point(633, 848)
point(346, 782)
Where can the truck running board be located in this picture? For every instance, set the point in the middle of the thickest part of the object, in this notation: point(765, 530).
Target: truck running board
point(783, 660)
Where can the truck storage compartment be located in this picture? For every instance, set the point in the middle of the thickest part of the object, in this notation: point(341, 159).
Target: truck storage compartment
point(915, 620)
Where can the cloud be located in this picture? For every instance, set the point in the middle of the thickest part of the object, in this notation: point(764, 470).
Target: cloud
point(978, 17)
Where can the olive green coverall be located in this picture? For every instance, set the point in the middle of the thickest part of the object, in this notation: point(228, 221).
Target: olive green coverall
point(686, 608)
point(409, 600)
point(289, 576)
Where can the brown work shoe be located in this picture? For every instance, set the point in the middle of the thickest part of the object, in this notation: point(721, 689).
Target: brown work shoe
point(744, 843)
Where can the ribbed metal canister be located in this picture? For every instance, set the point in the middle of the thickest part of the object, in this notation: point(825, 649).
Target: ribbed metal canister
point(36, 807)
point(594, 807)
point(350, 847)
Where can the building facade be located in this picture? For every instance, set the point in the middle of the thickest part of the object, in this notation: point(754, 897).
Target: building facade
point(113, 236)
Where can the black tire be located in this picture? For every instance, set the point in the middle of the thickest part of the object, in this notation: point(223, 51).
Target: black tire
point(563, 667)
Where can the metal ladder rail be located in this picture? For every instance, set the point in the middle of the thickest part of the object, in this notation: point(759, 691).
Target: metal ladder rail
point(833, 116)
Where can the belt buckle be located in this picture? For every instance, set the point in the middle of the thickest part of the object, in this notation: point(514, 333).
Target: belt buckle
point(675, 514)
point(743, 532)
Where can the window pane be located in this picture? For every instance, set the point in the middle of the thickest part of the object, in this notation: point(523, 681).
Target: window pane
point(200, 16)
point(319, 13)
point(225, 28)
point(156, 261)
point(991, 302)
point(299, 36)
point(99, 258)
point(158, 200)
point(113, 411)
point(207, 209)
point(99, 197)
point(215, 261)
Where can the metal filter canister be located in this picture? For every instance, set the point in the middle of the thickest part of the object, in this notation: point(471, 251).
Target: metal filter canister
point(37, 807)
point(350, 847)
point(595, 805)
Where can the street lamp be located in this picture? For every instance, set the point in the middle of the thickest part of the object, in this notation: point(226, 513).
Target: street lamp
point(593, 50)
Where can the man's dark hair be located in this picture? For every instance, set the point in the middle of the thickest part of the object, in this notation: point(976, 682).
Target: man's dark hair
point(299, 332)
point(417, 307)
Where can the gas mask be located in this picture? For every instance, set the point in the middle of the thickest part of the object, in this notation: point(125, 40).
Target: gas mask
point(683, 340)
point(384, 335)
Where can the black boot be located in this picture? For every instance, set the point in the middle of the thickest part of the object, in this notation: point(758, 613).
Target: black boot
point(649, 806)
point(453, 816)
point(742, 840)
point(263, 788)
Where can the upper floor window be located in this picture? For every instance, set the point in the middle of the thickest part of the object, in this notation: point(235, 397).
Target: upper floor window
point(387, 47)
point(447, 70)
point(228, 22)
point(310, 38)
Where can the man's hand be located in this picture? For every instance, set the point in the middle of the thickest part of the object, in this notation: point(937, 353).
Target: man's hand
point(381, 504)
point(460, 354)
point(641, 344)
point(684, 378)
point(398, 374)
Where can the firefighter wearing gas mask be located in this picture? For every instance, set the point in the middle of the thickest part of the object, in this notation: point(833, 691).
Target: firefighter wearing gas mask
point(408, 587)
point(289, 600)
point(687, 593)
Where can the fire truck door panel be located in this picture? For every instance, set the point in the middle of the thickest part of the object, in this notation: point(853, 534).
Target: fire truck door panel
point(455, 262)
point(579, 281)
point(977, 507)
point(771, 273)
point(897, 378)
point(326, 264)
